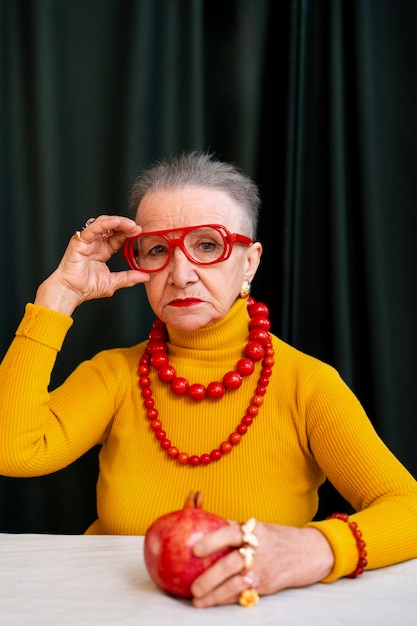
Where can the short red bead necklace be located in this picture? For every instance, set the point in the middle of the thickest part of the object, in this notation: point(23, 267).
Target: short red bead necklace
point(259, 347)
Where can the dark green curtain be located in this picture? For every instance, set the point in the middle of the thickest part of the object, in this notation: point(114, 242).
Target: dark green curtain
point(315, 99)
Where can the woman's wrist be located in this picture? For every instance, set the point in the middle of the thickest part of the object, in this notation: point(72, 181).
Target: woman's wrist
point(325, 559)
point(56, 297)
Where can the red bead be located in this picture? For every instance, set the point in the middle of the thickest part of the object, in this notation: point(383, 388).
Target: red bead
point(146, 392)
point(215, 455)
point(151, 414)
point(232, 380)
point(242, 429)
point(258, 308)
point(259, 334)
point(143, 370)
point(144, 381)
point(160, 434)
point(257, 400)
point(182, 458)
point(268, 361)
point(155, 424)
point(255, 350)
point(245, 367)
point(263, 381)
point(173, 452)
point(157, 323)
point(179, 386)
point(266, 371)
point(197, 391)
point(165, 444)
point(234, 438)
point(148, 403)
point(158, 359)
point(250, 302)
point(158, 333)
point(259, 322)
point(205, 459)
point(260, 390)
point(166, 373)
point(215, 390)
point(252, 410)
point(144, 360)
point(194, 460)
point(156, 345)
point(247, 420)
point(225, 447)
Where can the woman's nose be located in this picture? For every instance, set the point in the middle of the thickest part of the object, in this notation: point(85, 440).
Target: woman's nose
point(180, 266)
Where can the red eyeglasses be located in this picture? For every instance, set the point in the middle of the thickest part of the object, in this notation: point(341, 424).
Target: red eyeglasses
point(203, 245)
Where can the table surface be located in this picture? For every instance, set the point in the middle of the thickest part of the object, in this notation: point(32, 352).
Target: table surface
point(101, 579)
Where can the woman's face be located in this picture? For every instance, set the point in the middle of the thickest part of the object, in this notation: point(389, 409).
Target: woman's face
point(183, 294)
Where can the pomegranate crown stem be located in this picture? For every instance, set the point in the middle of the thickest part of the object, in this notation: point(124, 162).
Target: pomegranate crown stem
point(194, 500)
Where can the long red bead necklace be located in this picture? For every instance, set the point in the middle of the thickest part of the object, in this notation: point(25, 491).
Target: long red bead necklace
point(259, 347)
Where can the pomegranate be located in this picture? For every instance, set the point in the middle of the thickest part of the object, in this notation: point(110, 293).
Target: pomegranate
point(168, 546)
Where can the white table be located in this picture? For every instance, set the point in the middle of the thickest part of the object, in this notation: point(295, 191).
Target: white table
point(79, 579)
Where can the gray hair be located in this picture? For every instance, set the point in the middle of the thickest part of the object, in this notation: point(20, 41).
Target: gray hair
point(200, 169)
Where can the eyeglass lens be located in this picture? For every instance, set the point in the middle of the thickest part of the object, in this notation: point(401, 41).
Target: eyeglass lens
point(201, 245)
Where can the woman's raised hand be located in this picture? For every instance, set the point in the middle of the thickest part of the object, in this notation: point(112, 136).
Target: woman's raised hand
point(83, 273)
point(284, 557)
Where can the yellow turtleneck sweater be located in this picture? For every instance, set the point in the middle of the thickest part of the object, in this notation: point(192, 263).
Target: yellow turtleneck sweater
point(309, 426)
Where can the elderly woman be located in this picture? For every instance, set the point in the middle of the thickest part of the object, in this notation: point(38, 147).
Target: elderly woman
point(211, 400)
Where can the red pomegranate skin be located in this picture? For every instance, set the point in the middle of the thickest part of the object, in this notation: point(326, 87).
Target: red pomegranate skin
point(168, 546)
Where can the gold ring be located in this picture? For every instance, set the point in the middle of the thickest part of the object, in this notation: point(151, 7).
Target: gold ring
point(78, 236)
point(248, 535)
point(247, 553)
point(249, 597)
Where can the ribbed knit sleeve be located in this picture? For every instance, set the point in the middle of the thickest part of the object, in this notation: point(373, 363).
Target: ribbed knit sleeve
point(364, 470)
point(43, 430)
point(24, 378)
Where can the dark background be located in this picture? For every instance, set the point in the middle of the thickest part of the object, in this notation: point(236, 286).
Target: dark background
point(315, 99)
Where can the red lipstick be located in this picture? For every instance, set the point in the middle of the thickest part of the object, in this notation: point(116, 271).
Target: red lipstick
point(185, 302)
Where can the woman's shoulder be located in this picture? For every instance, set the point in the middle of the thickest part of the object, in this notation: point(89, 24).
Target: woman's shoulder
point(284, 349)
point(300, 363)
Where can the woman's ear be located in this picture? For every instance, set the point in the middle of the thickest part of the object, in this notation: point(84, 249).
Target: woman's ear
point(253, 258)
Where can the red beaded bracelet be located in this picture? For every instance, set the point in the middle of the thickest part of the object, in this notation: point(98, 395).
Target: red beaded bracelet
point(360, 544)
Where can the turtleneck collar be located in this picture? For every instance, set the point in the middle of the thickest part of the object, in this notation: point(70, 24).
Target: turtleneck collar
point(231, 330)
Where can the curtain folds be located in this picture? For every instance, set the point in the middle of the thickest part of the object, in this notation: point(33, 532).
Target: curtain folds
point(315, 99)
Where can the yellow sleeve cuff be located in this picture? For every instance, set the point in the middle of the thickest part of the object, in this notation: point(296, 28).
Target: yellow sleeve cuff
point(44, 326)
point(343, 544)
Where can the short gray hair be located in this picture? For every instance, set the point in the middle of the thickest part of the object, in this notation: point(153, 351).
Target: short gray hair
point(200, 169)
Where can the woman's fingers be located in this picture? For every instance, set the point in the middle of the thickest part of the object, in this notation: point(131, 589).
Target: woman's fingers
point(105, 228)
point(284, 557)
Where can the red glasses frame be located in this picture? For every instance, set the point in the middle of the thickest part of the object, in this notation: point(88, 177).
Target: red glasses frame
point(229, 240)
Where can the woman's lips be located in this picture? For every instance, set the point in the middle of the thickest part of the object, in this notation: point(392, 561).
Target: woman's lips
point(185, 302)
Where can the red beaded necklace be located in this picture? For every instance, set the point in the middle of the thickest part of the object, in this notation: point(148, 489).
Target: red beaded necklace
point(259, 347)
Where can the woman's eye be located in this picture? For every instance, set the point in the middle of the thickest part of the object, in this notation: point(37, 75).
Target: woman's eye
point(207, 245)
point(157, 250)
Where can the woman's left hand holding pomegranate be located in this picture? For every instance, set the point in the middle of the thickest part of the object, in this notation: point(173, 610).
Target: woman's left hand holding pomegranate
point(284, 557)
